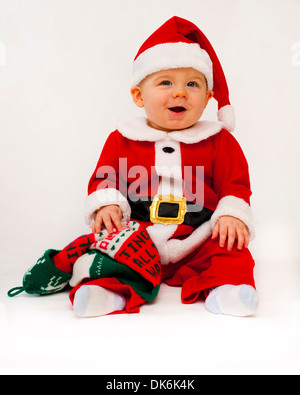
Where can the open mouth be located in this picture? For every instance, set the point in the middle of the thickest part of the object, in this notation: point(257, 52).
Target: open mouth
point(177, 109)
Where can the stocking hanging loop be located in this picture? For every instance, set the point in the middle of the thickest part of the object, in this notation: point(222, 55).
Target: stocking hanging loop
point(15, 291)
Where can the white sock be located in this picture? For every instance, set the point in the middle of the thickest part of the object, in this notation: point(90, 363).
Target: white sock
point(93, 301)
point(238, 300)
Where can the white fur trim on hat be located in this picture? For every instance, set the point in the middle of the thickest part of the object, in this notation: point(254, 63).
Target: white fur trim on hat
point(172, 56)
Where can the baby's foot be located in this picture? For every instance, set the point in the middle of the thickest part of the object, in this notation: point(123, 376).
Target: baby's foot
point(93, 301)
point(238, 300)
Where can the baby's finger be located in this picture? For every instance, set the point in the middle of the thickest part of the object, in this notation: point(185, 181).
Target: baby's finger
point(108, 224)
point(215, 231)
point(116, 221)
point(246, 235)
point(240, 239)
point(223, 235)
point(97, 225)
point(231, 238)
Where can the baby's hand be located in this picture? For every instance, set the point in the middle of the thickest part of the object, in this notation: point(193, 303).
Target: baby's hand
point(231, 228)
point(110, 216)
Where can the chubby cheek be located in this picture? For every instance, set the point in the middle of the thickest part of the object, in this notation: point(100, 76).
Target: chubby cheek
point(154, 108)
point(199, 111)
point(199, 106)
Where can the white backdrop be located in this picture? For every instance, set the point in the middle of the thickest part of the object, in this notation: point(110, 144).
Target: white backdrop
point(65, 73)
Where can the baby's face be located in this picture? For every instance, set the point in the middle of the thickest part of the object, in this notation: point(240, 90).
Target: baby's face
point(173, 99)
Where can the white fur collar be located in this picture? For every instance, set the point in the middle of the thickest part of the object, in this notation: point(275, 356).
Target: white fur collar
point(138, 129)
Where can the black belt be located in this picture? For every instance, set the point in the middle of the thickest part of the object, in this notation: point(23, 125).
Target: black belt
point(194, 216)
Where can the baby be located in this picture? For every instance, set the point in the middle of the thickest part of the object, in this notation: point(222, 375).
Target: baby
point(184, 180)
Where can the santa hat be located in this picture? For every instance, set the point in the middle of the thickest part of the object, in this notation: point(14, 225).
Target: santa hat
point(179, 43)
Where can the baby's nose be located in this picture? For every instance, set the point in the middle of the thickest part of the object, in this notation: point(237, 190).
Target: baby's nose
point(180, 92)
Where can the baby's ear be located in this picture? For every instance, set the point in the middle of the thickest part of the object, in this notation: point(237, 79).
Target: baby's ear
point(136, 93)
point(209, 95)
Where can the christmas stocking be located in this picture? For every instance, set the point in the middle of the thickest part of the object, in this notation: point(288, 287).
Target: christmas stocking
point(53, 270)
point(128, 255)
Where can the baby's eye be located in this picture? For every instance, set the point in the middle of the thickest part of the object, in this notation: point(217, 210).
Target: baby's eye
point(165, 82)
point(192, 84)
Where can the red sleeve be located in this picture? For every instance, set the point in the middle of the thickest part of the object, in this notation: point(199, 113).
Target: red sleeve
point(105, 187)
point(231, 181)
point(106, 171)
point(230, 168)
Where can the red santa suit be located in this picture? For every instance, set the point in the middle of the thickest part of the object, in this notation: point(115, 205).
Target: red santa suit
point(205, 165)
point(193, 176)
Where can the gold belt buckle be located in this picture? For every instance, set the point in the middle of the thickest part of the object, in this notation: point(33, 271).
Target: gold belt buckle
point(176, 200)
